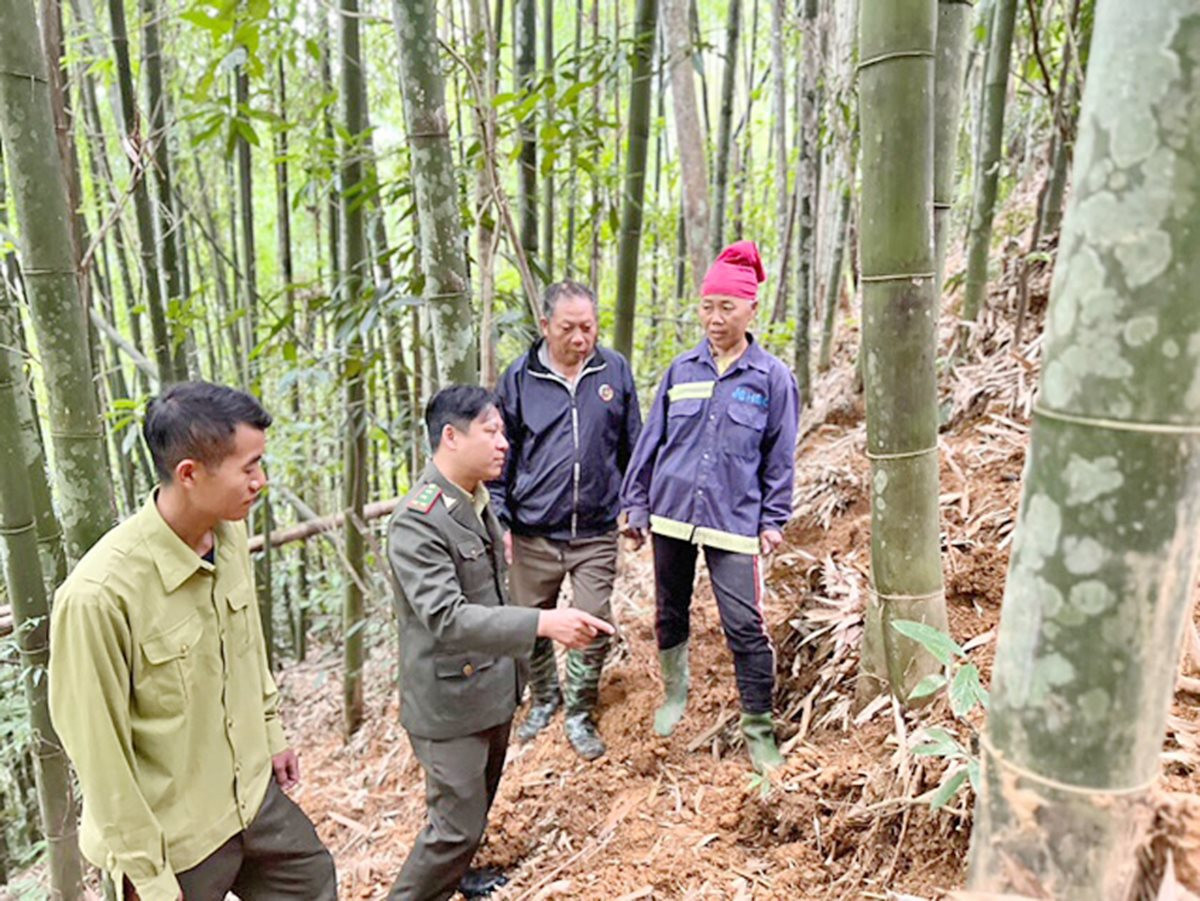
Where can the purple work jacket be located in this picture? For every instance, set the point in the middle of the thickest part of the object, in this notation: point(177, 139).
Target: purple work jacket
point(715, 461)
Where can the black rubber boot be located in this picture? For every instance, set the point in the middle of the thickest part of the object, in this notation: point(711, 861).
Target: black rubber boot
point(545, 695)
point(481, 882)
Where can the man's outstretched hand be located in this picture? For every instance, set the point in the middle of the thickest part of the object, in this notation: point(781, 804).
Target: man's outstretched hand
point(571, 627)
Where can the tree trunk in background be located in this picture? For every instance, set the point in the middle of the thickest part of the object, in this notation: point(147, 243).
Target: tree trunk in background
point(733, 28)
point(435, 186)
point(25, 512)
point(689, 139)
point(954, 21)
point(987, 160)
point(548, 182)
point(1104, 560)
point(245, 179)
point(808, 181)
point(597, 191)
point(833, 285)
point(482, 52)
point(632, 207)
point(573, 171)
point(1066, 114)
point(747, 152)
point(143, 211)
point(896, 79)
point(354, 264)
point(525, 75)
point(168, 233)
point(783, 196)
point(85, 491)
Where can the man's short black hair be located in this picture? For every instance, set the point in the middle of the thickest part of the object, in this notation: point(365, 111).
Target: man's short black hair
point(196, 421)
point(456, 405)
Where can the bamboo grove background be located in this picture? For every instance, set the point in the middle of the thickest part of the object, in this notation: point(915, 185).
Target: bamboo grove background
point(243, 182)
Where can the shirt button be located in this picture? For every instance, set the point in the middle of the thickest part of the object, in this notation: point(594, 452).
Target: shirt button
point(229, 723)
point(468, 670)
point(183, 647)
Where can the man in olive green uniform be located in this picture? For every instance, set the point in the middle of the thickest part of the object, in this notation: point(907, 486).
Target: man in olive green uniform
point(463, 648)
point(159, 683)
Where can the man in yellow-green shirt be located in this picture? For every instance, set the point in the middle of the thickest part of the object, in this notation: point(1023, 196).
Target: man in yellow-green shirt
point(159, 682)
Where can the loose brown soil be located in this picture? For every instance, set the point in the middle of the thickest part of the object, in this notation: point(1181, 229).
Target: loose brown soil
point(682, 817)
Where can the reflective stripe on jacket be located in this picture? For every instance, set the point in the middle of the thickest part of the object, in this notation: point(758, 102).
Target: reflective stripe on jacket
point(716, 458)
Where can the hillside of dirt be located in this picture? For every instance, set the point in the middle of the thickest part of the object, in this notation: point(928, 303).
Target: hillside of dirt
point(683, 817)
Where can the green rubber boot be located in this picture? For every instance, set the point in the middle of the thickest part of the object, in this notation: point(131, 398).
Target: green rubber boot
point(674, 665)
point(582, 696)
point(759, 732)
point(544, 694)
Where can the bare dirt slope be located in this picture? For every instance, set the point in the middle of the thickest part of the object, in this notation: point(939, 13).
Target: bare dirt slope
point(682, 817)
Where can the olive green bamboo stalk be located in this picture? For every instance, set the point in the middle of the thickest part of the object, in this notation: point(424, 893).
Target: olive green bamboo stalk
point(954, 22)
point(85, 492)
point(1104, 560)
point(447, 289)
point(896, 76)
point(354, 268)
point(733, 28)
point(29, 595)
point(988, 156)
point(632, 205)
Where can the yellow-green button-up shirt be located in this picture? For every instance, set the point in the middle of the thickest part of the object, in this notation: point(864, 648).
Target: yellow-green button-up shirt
point(161, 692)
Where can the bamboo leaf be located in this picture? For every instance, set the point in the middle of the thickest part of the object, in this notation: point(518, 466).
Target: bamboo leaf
point(965, 690)
point(948, 789)
point(927, 686)
point(937, 643)
point(938, 743)
point(973, 773)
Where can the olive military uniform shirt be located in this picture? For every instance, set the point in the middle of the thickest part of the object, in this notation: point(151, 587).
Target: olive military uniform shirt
point(462, 646)
point(161, 692)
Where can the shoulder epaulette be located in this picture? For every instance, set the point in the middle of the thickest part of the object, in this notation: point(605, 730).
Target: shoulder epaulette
point(424, 499)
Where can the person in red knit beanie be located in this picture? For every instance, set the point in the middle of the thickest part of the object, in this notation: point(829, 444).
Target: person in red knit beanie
point(713, 469)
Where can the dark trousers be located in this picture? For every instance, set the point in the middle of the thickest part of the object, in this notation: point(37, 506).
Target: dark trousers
point(277, 858)
point(737, 584)
point(461, 777)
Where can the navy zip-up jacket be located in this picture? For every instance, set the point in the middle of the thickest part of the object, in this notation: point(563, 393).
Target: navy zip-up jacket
point(716, 461)
point(568, 449)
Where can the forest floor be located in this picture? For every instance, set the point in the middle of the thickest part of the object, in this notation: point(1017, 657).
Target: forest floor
point(682, 817)
point(848, 816)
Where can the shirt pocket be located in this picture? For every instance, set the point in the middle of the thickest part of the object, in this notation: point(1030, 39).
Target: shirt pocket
point(169, 656)
point(238, 600)
point(744, 430)
point(475, 565)
point(683, 418)
point(461, 666)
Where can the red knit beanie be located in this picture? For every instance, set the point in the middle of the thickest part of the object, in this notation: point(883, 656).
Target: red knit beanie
point(736, 272)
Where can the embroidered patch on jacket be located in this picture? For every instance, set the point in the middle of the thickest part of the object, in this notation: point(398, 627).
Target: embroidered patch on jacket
point(746, 396)
point(424, 499)
point(606, 392)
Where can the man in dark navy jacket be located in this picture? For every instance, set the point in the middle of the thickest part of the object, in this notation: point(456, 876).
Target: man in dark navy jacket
point(571, 415)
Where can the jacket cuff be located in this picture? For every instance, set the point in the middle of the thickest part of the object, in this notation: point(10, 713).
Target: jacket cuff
point(163, 887)
point(637, 518)
point(276, 741)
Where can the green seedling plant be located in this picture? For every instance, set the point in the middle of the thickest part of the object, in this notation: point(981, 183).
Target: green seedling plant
point(960, 681)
